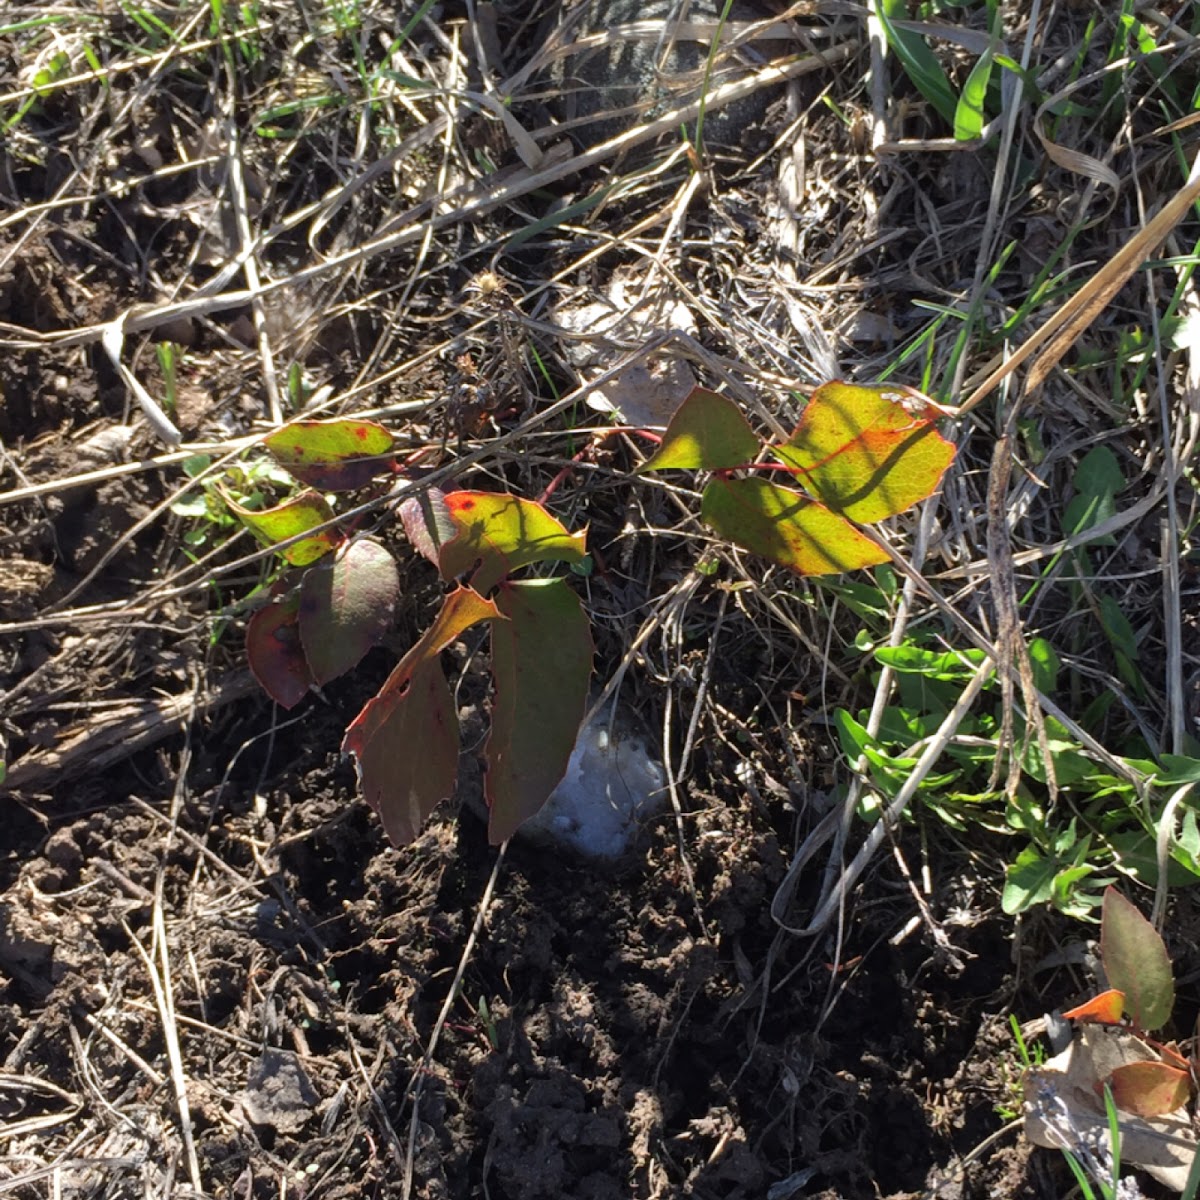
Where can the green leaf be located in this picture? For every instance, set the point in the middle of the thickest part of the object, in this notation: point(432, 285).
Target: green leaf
point(275, 654)
point(335, 456)
point(1136, 963)
point(1117, 628)
point(542, 662)
point(346, 607)
point(867, 452)
point(707, 433)
point(787, 527)
point(1099, 473)
point(969, 115)
point(502, 533)
point(1045, 663)
point(1067, 897)
point(1028, 881)
point(1175, 769)
point(193, 506)
point(1186, 845)
point(286, 520)
point(852, 734)
point(919, 61)
point(1070, 766)
point(405, 740)
point(948, 665)
point(1135, 854)
point(1097, 481)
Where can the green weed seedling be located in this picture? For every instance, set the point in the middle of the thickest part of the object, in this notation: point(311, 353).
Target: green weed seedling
point(245, 484)
point(861, 453)
point(1102, 825)
point(1012, 1068)
point(966, 111)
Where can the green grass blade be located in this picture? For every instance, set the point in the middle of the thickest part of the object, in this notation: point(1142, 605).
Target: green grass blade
point(919, 61)
point(969, 114)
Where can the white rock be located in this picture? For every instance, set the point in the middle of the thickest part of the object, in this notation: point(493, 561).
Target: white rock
point(612, 786)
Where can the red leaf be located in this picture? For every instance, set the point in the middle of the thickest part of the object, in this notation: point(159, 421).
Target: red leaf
point(405, 740)
point(275, 654)
point(427, 523)
point(1150, 1089)
point(1171, 1055)
point(1104, 1009)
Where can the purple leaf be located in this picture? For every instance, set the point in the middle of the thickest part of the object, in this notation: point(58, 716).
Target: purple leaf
point(346, 606)
point(275, 653)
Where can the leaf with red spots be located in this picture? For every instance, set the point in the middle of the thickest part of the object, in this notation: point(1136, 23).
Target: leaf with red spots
point(1150, 1089)
point(1104, 1009)
point(405, 740)
point(346, 607)
point(275, 653)
point(501, 533)
point(335, 456)
point(295, 516)
point(541, 662)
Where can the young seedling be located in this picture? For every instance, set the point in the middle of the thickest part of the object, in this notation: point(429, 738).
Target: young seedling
point(1114, 1086)
point(322, 620)
point(861, 453)
point(406, 740)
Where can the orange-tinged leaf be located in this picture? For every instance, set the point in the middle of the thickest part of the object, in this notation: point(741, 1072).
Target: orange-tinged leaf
point(1150, 1089)
point(272, 525)
point(502, 533)
point(786, 526)
point(542, 662)
point(707, 432)
point(405, 740)
point(868, 452)
point(335, 456)
point(1104, 1009)
point(275, 654)
point(1135, 960)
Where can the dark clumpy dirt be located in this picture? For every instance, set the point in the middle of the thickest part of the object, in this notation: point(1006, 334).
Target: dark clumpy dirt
point(613, 1035)
point(216, 976)
point(215, 969)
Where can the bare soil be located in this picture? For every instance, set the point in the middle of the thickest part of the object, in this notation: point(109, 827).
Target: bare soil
point(215, 971)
